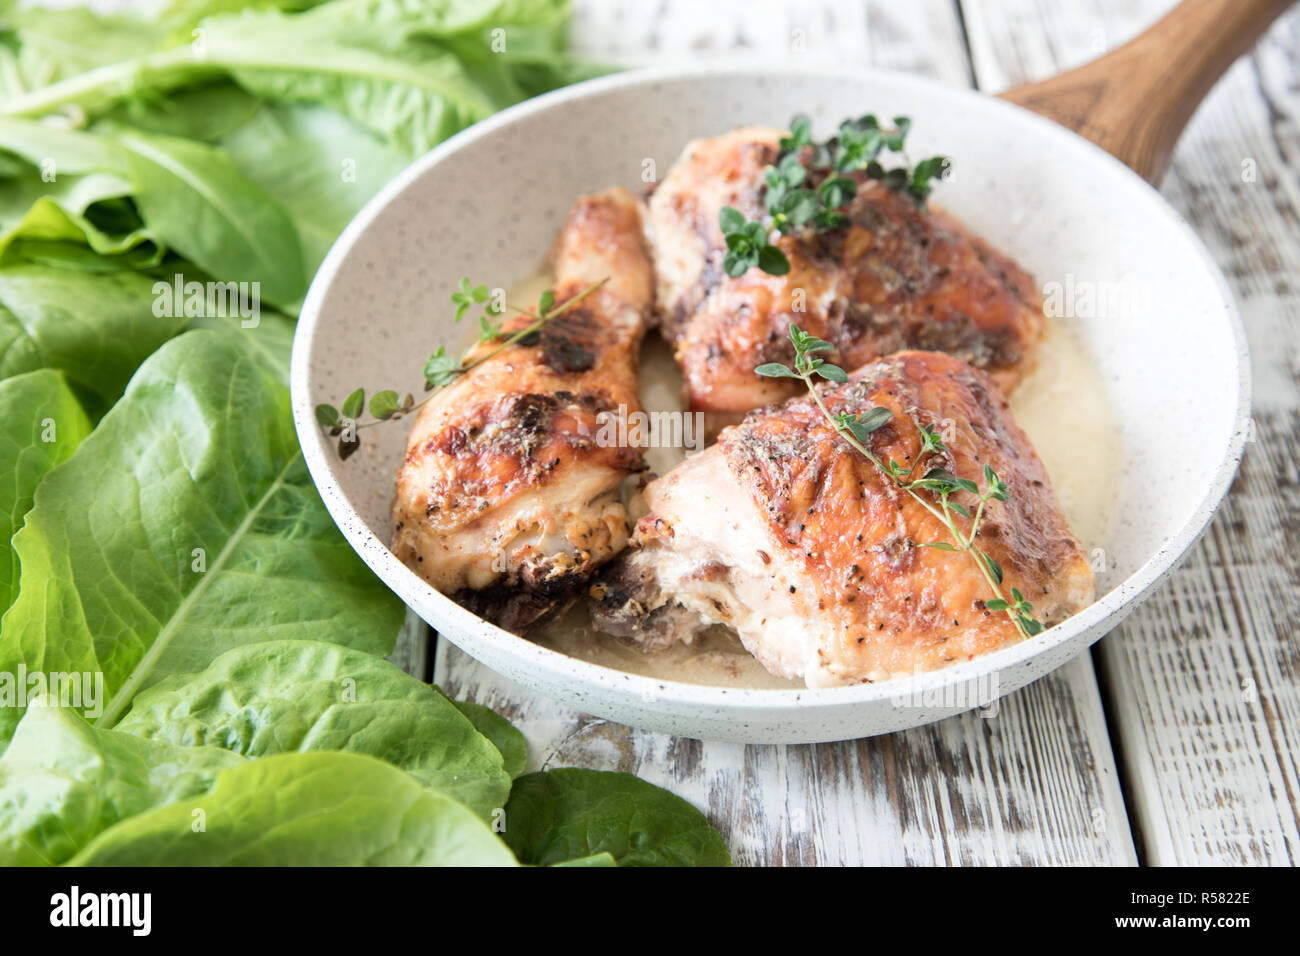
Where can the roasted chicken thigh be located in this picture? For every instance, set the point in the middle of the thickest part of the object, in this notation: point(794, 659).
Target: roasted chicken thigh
point(506, 498)
point(893, 278)
point(791, 537)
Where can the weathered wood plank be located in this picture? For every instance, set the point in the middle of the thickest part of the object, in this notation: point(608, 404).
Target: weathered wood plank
point(1034, 784)
point(414, 651)
point(1203, 679)
point(917, 37)
point(1019, 41)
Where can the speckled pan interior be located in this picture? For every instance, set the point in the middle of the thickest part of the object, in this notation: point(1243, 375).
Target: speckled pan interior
point(488, 202)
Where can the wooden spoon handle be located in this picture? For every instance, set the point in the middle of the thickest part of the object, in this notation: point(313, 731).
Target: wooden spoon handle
point(1135, 101)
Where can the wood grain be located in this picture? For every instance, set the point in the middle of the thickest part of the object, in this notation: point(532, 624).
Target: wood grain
point(413, 652)
point(1135, 101)
point(920, 38)
point(1202, 681)
point(1035, 784)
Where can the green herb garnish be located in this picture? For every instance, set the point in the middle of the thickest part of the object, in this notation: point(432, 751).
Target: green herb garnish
point(441, 368)
point(794, 204)
point(933, 490)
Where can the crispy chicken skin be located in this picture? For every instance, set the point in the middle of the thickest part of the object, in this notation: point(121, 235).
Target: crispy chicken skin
point(893, 278)
point(785, 533)
point(506, 500)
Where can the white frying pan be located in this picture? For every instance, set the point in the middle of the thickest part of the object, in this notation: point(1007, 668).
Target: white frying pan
point(1175, 371)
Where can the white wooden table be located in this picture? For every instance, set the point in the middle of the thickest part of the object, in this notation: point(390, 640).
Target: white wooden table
point(1177, 740)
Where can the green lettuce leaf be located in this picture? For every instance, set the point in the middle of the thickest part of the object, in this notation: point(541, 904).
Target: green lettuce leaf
point(94, 326)
point(311, 809)
point(185, 525)
point(76, 208)
point(62, 782)
point(503, 734)
point(195, 200)
point(287, 696)
point(573, 815)
point(412, 73)
point(66, 188)
point(41, 422)
point(187, 196)
point(596, 859)
point(58, 44)
point(359, 57)
point(321, 167)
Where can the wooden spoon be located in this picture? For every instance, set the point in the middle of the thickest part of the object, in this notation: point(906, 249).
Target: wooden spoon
point(1134, 101)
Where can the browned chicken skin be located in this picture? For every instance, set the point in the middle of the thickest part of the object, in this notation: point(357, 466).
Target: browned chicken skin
point(894, 278)
point(787, 534)
point(506, 498)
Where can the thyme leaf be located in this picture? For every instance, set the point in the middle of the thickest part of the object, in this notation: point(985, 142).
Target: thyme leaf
point(795, 205)
point(440, 368)
point(933, 490)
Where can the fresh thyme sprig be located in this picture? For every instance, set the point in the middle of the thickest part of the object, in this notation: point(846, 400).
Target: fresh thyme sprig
point(793, 204)
point(442, 369)
point(939, 485)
